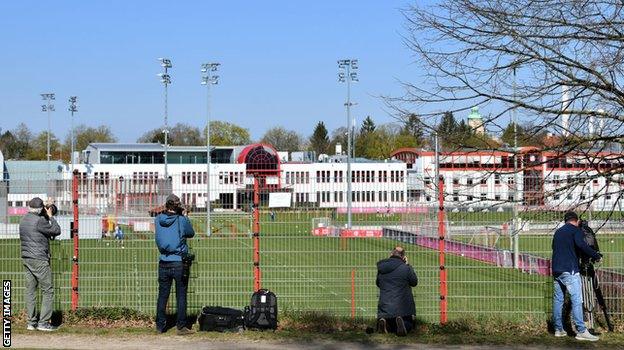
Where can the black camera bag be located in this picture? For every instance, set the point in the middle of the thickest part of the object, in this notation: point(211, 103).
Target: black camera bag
point(220, 319)
point(262, 311)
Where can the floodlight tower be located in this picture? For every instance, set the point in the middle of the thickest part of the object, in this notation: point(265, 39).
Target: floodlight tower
point(209, 78)
point(48, 107)
point(347, 73)
point(165, 78)
point(73, 109)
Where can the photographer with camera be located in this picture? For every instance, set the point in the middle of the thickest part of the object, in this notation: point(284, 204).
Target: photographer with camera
point(567, 240)
point(173, 227)
point(36, 230)
point(395, 279)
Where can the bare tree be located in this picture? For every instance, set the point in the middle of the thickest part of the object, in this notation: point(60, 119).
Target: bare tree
point(555, 64)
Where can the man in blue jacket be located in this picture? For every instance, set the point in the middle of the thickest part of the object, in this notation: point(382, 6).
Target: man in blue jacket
point(567, 240)
point(395, 279)
point(172, 229)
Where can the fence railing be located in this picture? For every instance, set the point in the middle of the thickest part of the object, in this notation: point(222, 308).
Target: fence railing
point(297, 243)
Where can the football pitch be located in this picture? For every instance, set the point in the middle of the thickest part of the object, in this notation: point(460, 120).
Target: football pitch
point(328, 274)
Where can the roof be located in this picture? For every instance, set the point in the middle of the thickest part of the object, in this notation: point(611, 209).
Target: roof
point(474, 113)
point(152, 147)
point(30, 176)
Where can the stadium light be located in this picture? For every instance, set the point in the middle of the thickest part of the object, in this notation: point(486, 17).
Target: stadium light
point(208, 79)
point(48, 107)
point(165, 79)
point(347, 73)
point(73, 108)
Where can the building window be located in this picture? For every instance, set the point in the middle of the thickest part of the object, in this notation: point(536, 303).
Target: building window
point(455, 181)
point(469, 181)
point(455, 196)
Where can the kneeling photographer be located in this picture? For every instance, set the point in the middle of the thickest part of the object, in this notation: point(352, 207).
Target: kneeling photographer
point(173, 227)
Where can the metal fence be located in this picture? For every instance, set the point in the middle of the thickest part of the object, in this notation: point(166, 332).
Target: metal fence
point(494, 259)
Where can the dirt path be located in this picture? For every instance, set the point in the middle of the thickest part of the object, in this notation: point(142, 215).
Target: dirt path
point(157, 342)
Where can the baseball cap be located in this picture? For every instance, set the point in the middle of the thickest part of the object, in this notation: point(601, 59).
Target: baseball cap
point(570, 216)
point(36, 203)
point(172, 199)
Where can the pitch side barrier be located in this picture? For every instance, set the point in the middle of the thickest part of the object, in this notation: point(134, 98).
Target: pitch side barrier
point(613, 282)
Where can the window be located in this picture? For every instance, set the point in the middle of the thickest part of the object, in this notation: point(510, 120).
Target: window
point(455, 181)
point(483, 196)
point(497, 179)
point(569, 196)
point(428, 180)
point(469, 181)
point(455, 196)
point(583, 196)
point(470, 197)
point(556, 197)
point(318, 176)
point(497, 197)
point(483, 181)
point(428, 198)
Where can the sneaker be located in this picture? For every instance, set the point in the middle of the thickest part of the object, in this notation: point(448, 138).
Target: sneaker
point(31, 328)
point(185, 331)
point(47, 327)
point(586, 336)
point(382, 326)
point(401, 331)
point(559, 334)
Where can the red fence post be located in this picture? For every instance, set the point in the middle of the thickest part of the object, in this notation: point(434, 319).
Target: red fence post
point(74, 234)
point(256, 234)
point(441, 248)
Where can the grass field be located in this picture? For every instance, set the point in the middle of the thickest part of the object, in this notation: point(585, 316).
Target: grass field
point(306, 272)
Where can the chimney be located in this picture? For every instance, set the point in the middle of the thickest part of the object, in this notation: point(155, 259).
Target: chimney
point(565, 104)
point(338, 149)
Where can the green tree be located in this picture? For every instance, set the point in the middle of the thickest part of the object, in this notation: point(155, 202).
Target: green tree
point(38, 147)
point(282, 139)
point(227, 134)
point(368, 125)
point(319, 141)
point(179, 135)
point(16, 143)
point(85, 135)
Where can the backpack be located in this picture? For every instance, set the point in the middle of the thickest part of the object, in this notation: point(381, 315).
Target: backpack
point(262, 311)
point(220, 319)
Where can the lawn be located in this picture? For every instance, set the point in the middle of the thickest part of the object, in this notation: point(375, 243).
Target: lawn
point(329, 274)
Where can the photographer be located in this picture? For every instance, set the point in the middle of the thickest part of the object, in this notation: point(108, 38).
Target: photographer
point(172, 229)
point(567, 240)
point(395, 279)
point(36, 230)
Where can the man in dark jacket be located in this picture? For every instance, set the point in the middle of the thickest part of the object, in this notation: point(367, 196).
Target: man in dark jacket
point(172, 230)
point(35, 233)
point(567, 240)
point(395, 279)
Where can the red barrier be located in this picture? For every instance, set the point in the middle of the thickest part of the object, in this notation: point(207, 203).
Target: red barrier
point(74, 232)
point(441, 248)
point(362, 233)
point(256, 235)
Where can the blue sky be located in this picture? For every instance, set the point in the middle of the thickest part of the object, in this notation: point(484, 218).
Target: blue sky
point(278, 61)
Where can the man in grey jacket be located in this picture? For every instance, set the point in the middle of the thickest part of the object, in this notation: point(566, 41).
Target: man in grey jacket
point(36, 230)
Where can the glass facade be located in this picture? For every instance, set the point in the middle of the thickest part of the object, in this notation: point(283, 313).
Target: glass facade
point(218, 156)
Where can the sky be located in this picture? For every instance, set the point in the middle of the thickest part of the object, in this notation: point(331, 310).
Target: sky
point(278, 62)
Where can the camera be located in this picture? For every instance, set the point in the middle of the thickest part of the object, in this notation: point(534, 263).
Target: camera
point(51, 206)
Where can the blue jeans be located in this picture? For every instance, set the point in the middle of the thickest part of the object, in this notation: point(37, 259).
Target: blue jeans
point(167, 273)
point(571, 283)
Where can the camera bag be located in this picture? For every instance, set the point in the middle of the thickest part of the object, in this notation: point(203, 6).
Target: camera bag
point(220, 319)
point(262, 311)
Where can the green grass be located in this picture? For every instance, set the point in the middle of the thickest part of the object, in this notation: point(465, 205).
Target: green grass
point(306, 272)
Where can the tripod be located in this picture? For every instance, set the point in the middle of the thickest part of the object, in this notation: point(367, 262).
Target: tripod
point(592, 293)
